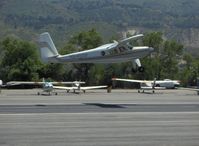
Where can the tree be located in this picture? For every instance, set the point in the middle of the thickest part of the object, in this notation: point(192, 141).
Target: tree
point(152, 64)
point(19, 60)
point(84, 41)
point(169, 59)
point(154, 40)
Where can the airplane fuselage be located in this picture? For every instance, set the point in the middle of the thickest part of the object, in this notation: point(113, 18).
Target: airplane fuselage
point(109, 53)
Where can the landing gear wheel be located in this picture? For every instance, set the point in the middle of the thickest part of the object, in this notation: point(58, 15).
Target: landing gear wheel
point(141, 69)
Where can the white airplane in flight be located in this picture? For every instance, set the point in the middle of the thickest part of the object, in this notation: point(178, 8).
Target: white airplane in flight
point(114, 52)
point(152, 85)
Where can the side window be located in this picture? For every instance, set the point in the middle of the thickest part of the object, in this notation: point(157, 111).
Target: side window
point(103, 53)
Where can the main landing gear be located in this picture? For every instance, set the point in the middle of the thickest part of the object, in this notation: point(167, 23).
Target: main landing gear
point(140, 69)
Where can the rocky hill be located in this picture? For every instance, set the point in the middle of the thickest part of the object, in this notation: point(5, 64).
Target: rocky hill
point(177, 19)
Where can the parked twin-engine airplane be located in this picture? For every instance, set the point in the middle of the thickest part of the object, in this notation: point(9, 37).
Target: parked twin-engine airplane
point(152, 85)
point(114, 52)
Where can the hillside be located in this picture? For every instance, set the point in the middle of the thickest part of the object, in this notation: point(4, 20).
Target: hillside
point(178, 19)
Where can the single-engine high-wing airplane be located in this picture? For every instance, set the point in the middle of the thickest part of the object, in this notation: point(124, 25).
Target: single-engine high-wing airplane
point(47, 87)
point(152, 85)
point(76, 88)
point(1, 84)
point(114, 52)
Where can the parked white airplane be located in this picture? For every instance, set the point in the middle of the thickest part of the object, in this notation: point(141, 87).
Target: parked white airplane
point(1, 84)
point(152, 85)
point(48, 87)
point(77, 87)
point(114, 52)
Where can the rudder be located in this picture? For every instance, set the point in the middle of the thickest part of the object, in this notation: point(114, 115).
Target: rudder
point(47, 47)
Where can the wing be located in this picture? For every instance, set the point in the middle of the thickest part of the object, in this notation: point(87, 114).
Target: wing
point(124, 41)
point(92, 87)
point(123, 45)
point(67, 83)
point(129, 80)
point(151, 88)
point(63, 88)
point(13, 83)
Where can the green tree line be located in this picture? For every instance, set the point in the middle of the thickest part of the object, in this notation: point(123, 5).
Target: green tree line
point(20, 61)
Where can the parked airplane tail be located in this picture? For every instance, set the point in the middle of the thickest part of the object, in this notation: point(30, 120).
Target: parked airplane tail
point(48, 50)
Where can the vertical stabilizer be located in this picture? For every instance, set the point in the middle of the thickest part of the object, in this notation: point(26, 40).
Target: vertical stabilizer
point(48, 50)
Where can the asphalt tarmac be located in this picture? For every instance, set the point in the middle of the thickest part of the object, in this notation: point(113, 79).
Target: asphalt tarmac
point(97, 118)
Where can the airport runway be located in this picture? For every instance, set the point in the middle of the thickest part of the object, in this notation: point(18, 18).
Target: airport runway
point(97, 107)
point(121, 118)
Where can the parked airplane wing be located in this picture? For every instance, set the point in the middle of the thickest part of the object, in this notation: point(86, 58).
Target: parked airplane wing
point(14, 83)
point(150, 88)
point(63, 88)
point(130, 80)
point(92, 87)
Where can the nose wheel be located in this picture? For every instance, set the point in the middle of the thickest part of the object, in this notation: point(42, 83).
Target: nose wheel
point(140, 69)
